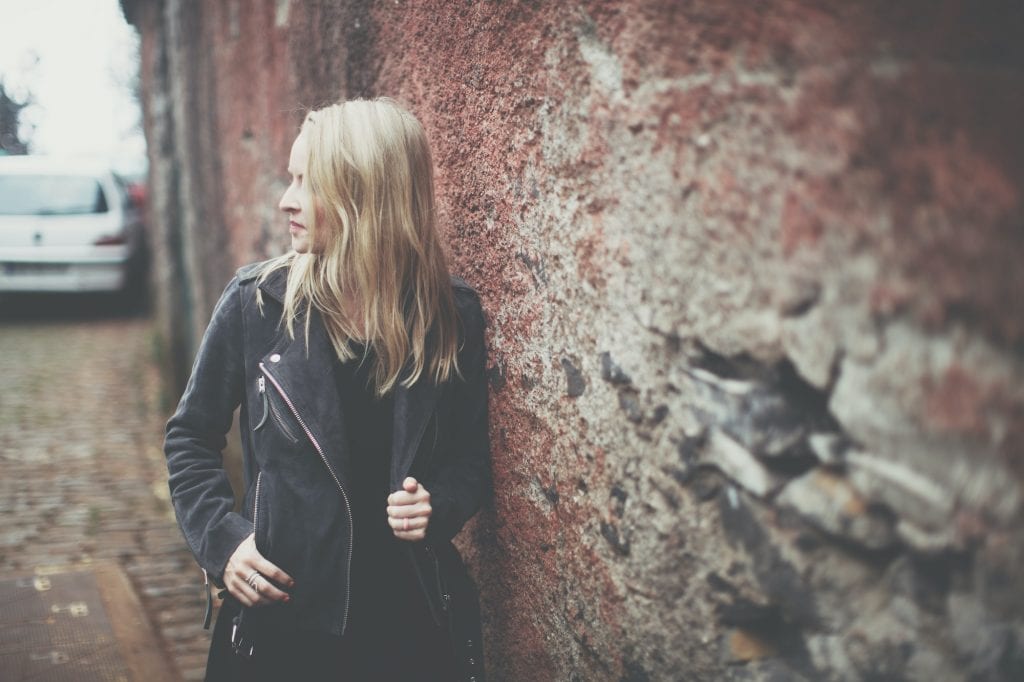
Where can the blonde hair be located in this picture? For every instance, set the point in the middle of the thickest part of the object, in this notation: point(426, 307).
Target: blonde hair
point(373, 238)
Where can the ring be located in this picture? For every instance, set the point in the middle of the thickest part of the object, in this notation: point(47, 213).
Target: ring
point(252, 581)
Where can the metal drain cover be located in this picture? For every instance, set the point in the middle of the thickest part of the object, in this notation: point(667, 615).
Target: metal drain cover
point(78, 626)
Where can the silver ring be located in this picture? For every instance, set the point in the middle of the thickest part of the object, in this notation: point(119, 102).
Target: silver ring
point(252, 581)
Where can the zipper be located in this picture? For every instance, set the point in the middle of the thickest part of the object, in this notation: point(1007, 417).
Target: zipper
point(261, 385)
point(256, 508)
point(344, 495)
point(270, 410)
point(423, 584)
point(437, 575)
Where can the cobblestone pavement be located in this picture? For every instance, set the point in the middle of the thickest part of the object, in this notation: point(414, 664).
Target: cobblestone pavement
point(84, 480)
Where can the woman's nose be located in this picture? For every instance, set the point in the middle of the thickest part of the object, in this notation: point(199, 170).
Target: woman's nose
point(287, 203)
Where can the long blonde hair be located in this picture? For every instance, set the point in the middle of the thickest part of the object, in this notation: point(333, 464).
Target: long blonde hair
point(373, 238)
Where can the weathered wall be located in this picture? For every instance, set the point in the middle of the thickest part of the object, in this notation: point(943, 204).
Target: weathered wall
point(752, 277)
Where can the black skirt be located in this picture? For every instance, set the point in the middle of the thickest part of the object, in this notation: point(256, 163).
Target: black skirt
point(381, 644)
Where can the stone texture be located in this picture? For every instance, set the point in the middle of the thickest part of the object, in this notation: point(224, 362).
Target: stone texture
point(831, 503)
point(992, 649)
point(785, 236)
point(738, 464)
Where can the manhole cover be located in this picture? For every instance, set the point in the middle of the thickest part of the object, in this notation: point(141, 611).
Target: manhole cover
point(77, 626)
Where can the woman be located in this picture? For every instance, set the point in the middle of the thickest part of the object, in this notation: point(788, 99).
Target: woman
point(359, 366)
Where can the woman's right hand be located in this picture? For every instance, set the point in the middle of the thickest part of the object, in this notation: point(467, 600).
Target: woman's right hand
point(247, 562)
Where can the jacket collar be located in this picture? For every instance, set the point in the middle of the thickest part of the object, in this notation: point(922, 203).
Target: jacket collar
point(275, 284)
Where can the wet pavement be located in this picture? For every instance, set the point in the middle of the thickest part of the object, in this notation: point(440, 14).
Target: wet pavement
point(84, 483)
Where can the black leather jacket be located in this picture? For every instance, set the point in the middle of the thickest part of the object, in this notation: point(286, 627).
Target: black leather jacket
point(296, 460)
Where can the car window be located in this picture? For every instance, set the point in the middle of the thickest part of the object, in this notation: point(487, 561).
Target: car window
point(124, 194)
point(51, 195)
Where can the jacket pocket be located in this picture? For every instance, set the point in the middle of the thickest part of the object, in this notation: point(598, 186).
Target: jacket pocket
point(272, 413)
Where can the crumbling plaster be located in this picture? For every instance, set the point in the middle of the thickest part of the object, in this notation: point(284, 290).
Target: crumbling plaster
point(750, 275)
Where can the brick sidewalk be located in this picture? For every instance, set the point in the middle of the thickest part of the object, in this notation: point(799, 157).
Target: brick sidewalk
point(84, 479)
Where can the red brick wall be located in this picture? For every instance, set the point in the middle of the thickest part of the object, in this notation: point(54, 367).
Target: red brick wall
point(751, 273)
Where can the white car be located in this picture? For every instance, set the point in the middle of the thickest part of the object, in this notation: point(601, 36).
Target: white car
point(67, 226)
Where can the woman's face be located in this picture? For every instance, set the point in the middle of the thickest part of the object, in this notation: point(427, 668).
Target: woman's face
point(297, 201)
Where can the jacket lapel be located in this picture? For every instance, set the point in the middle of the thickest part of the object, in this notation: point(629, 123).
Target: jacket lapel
point(413, 408)
point(306, 377)
point(309, 382)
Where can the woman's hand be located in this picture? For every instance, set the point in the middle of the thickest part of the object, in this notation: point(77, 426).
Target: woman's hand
point(251, 579)
point(409, 510)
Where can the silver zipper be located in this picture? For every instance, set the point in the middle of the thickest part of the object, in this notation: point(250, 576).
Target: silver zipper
point(344, 495)
point(256, 508)
point(269, 410)
point(261, 385)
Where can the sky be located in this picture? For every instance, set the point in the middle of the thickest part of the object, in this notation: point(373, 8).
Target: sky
point(78, 59)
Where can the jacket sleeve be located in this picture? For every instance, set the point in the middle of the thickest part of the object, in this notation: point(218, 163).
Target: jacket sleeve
point(463, 483)
point(200, 490)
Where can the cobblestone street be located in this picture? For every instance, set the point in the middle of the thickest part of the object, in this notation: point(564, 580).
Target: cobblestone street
point(84, 481)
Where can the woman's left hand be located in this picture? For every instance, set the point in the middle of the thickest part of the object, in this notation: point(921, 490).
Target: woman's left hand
point(409, 510)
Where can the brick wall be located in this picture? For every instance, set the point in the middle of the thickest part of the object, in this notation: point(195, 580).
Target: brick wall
point(752, 279)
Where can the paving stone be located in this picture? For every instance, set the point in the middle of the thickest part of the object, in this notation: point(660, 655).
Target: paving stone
point(80, 437)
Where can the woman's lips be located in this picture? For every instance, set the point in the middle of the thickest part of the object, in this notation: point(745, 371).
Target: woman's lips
point(294, 227)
